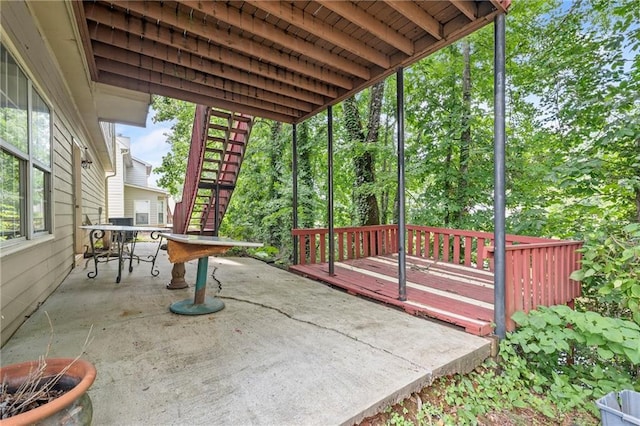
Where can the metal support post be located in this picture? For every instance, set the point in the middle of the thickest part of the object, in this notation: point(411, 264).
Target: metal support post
point(294, 172)
point(402, 256)
point(499, 176)
point(330, 189)
point(216, 213)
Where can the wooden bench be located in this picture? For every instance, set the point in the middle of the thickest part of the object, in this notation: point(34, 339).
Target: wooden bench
point(183, 248)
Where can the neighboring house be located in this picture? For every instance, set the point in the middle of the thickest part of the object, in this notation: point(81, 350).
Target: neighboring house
point(130, 196)
point(57, 150)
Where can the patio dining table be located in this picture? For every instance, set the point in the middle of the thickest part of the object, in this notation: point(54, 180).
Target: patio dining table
point(124, 236)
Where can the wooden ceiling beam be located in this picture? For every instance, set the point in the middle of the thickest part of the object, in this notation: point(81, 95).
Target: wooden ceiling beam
point(118, 19)
point(468, 7)
point(454, 30)
point(353, 13)
point(137, 73)
point(222, 12)
point(299, 18)
point(418, 16)
point(81, 21)
point(196, 98)
point(190, 75)
point(118, 39)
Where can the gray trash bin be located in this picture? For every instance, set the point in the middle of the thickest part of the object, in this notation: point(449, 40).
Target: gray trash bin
point(620, 408)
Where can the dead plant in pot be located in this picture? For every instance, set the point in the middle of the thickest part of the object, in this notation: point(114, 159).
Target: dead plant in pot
point(47, 391)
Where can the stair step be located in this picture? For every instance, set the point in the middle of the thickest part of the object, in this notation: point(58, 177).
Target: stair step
point(220, 152)
point(230, 163)
point(223, 140)
point(212, 185)
point(214, 126)
point(226, 115)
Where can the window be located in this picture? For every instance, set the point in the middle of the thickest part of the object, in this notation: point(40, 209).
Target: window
point(141, 212)
point(160, 211)
point(25, 155)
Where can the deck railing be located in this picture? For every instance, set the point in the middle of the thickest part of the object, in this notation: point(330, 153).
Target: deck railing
point(537, 269)
point(457, 246)
point(538, 275)
point(350, 243)
point(183, 208)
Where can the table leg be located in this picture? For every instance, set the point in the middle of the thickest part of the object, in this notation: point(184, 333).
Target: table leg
point(92, 236)
point(155, 236)
point(120, 239)
point(177, 277)
point(200, 304)
point(133, 249)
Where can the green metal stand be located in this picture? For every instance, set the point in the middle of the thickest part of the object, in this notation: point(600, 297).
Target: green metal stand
point(200, 304)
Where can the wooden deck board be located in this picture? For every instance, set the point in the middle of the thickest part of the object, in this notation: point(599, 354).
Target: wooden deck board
point(458, 295)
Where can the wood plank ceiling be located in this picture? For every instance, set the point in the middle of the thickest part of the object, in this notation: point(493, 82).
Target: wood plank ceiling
point(284, 60)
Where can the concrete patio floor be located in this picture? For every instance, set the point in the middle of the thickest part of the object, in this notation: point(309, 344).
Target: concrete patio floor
point(285, 350)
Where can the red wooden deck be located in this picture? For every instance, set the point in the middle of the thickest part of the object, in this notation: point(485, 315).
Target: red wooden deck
point(459, 295)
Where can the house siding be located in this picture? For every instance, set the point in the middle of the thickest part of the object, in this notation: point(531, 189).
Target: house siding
point(31, 270)
point(133, 194)
point(137, 175)
point(116, 183)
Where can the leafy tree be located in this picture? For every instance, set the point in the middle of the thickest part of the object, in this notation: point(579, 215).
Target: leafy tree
point(174, 164)
point(364, 159)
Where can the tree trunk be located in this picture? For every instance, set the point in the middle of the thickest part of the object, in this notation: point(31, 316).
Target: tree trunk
point(384, 197)
point(364, 163)
point(448, 187)
point(305, 175)
point(275, 164)
point(465, 137)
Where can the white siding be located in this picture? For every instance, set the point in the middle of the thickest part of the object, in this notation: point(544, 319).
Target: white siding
point(137, 174)
point(133, 194)
point(116, 183)
point(31, 271)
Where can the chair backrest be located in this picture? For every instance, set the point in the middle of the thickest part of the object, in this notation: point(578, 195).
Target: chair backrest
point(124, 221)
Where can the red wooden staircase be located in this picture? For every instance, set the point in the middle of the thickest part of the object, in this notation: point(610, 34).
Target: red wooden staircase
point(218, 143)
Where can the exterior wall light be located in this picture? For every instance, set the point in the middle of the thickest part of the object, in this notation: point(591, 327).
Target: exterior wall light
point(86, 161)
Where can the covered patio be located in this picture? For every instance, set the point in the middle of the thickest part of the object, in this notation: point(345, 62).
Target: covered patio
point(285, 350)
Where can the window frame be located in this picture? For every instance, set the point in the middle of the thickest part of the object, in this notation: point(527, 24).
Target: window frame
point(29, 164)
point(147, 212)
point(160, 211)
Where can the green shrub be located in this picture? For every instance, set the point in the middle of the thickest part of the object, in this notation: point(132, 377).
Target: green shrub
point(610, 272)
point(576, 356)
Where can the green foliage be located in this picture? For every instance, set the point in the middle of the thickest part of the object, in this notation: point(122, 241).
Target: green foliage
point(558, 361)
point(174, 164)
point(576, 356)
point(610, 271)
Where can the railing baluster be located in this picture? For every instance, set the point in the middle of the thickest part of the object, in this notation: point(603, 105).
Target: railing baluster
point(467, 251)
point(456, 249)
point(323, 247)
point(480, 254)
point(312, 248)
point(445, 248)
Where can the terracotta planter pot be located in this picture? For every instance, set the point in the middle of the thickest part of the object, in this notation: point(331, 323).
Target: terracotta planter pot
point(72, 408)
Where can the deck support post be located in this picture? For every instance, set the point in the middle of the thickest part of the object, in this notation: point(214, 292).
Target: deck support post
point(499, 176)
point(402, 257)
point(294, 201)
point(331, 244)
point(216, 213)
